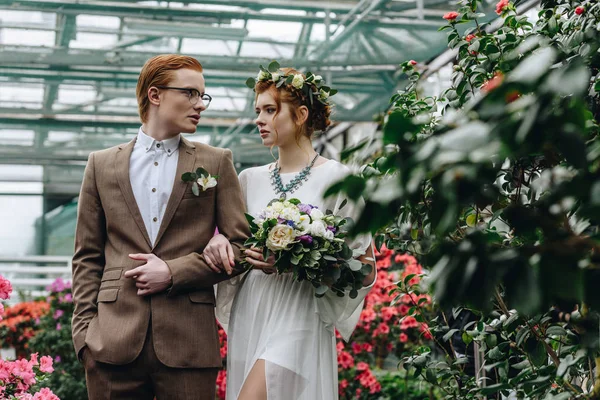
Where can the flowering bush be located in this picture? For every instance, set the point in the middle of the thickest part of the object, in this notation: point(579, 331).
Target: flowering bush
point(222, 377)
point(19, 378)
point(54, 336)
point(387, 327)
point(495, 185)
point(19, 325)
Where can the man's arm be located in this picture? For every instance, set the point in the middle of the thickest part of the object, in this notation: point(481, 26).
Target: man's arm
point(192, 271)
point(88, 260)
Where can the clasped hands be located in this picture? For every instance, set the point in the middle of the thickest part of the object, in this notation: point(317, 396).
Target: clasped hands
point(219, 256)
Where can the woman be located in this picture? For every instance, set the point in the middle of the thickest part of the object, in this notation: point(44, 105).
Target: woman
point(281, 341)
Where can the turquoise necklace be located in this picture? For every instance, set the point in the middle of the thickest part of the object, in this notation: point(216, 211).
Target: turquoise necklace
point(294, 184)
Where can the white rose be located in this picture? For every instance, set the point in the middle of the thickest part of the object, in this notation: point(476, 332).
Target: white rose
point(262, 75)
point(280, 237)
point(316, 214)
point(303, 224)
point(323, 94)
point(317, 228)
point(328, 235)
point(318, 78)
point(276, 76)
point(298, 81)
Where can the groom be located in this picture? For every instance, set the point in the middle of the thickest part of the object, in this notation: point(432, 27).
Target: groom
point(144, 323)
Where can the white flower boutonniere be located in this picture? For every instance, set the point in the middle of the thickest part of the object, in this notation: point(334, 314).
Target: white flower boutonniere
point(201, 179)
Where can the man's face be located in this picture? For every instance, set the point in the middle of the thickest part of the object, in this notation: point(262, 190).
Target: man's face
point(179, 110)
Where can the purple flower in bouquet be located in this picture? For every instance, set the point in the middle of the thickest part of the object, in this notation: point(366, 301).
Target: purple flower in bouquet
point(305, 208)
point(332, 229)
point(305, 239)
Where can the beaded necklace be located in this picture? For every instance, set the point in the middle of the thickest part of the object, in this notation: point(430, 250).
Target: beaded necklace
point(294, 184)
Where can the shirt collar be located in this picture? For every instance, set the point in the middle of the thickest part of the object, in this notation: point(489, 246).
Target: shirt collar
point(169, 145)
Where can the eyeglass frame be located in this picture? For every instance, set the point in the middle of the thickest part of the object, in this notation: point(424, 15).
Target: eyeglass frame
point(189, 90)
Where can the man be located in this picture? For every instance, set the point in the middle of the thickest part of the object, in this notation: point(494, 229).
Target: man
point(144, 323)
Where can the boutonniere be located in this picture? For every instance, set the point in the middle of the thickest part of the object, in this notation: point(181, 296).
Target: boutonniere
point(201, 178)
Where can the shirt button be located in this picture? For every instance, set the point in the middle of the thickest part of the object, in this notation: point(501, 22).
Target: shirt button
point(158, 145)
point(154, 219)
point(153, 190)
point(168, 151)
point(155, 164)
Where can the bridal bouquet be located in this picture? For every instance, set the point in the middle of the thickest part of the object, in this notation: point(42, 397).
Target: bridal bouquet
point(310, 244)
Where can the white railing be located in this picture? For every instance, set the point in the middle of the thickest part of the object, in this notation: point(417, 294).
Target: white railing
point(31, 275)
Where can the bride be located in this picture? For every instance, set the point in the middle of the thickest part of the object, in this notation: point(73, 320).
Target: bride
point(280, 336)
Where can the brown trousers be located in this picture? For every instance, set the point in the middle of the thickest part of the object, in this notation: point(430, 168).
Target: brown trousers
point(147, 378)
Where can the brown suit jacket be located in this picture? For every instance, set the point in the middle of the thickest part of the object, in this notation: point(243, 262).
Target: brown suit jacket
point(110, 318)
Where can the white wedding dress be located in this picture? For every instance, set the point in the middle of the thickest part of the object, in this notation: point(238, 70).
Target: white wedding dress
point(275, 318)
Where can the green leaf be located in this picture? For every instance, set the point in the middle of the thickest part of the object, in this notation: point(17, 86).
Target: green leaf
point(556, 330)
point(188, 177)
point(201, 172)
point(449, 334)
point(273, 67)
point(251, 82)
point(396, 127)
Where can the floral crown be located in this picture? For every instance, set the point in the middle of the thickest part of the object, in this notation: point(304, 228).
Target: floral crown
point(312, 86)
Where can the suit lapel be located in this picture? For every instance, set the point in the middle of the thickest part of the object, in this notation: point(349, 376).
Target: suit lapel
point(122, 169)
point(185, 163)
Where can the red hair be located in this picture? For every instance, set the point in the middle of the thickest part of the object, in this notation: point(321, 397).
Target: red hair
point(157, 71)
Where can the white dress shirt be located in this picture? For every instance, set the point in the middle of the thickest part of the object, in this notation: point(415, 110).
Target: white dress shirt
point(152, 169)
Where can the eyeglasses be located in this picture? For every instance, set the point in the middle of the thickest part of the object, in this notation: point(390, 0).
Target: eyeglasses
point(192, 94)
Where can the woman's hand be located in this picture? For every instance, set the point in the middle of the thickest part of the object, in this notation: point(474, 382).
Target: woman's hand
point(256, 259)
point(218, 254)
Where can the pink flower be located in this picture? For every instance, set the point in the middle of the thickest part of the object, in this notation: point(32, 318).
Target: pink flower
point(5, 288)
point(367, 347)
point(344, 384)
point(24, 369)
point(579, 10)
point(58, 314)
point(501, 6)
point(345, 360)
point(356, 348)
point(362, 366)
point(403, 337)
point(413, 62)
point(388, 313)
point(68, 298)
point(33, 359)
point(1, 310)
point(451, 16)
point(58, 327)
point(46, 364)
point(470, 37)
point(45, 394)
point(376, 388)
point(57, 359)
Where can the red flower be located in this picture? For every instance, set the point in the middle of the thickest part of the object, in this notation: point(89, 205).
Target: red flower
point(501, 6)
point(362, 366)
point(470, 37)
point(493, 83)
point(451, 16)
point(413, 62)
point(403, 337)
point(345, 360)
point(512, 96)
point(579, 10)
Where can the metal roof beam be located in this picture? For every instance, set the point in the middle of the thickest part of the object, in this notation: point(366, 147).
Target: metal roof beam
point(182, 14)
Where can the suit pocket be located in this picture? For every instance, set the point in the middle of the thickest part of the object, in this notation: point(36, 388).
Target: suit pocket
point(112, 274)
point(108, 295)
point(203, 297)
point(190, 195)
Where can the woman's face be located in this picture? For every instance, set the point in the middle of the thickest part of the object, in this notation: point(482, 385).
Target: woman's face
point(274, 131)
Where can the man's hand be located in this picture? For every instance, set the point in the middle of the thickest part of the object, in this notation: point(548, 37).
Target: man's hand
point(152, 277)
